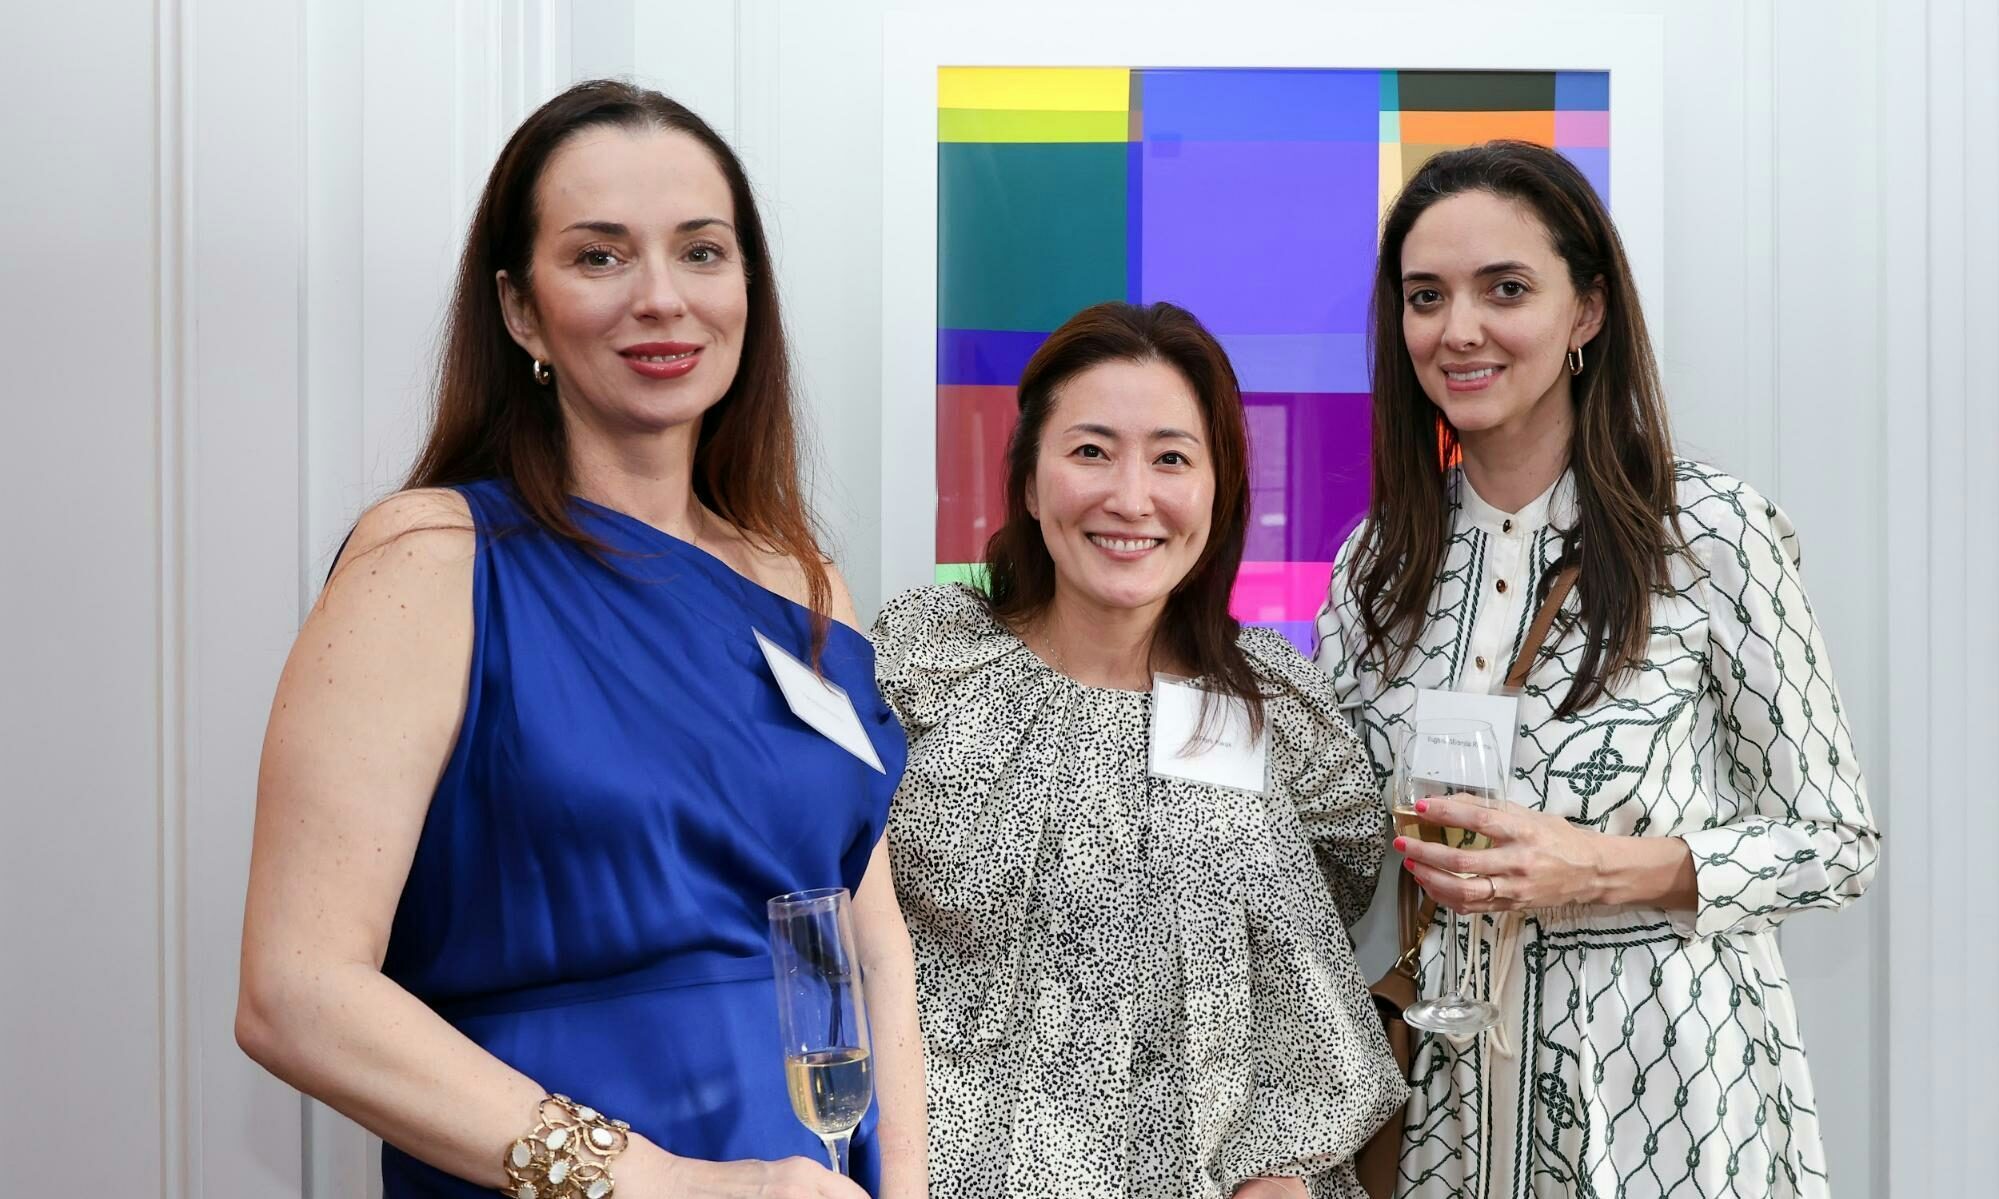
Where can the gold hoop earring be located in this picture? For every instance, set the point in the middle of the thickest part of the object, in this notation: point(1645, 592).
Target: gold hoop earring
point(1575, 360)
point(542, 374)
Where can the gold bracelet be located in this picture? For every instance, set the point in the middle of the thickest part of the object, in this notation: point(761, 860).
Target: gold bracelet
point(568, 1155)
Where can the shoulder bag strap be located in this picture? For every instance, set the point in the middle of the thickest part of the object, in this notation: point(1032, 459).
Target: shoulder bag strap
point(1415, 909)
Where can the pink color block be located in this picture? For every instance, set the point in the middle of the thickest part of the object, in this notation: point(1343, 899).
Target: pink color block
point(1582, 130)
point(1270, 591)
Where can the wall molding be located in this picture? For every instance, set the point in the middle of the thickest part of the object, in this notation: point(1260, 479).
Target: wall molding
point(1940, 179)
point(173, 239)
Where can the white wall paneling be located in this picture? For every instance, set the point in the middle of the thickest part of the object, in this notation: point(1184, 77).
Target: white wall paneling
point(89, 666)
point(1939, 148)
point(228, 250)
point(238, 515)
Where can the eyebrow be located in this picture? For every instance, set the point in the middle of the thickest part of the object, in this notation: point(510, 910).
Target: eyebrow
point(1105, 431)
point(1496, 268)
point(618, 229)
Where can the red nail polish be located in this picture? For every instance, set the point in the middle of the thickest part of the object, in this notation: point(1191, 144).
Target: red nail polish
point(1408, 865)
point(1422, 805)
point(1401, 845)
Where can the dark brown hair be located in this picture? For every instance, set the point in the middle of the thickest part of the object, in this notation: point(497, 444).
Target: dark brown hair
point(1195, 630)
point(492, 420)
point(1620, 451)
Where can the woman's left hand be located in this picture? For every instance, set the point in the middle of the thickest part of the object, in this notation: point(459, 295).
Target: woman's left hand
point(1536, 860)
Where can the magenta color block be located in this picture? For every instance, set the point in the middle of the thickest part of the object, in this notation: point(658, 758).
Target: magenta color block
point(1582, 129)
point(1308, 473)
point(1271, 592)
point(1261, 237)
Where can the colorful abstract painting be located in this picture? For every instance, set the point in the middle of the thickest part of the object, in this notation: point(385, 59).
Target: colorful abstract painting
point(1251, 198)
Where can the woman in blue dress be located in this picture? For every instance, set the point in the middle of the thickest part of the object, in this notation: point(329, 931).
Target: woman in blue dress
point(529, 777)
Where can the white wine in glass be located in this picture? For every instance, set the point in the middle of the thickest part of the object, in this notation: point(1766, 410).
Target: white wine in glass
point(830, 1089)
point(1414, 827)
point(822, 1015)
point(1448, 757)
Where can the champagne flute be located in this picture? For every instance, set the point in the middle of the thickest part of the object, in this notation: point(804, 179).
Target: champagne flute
point(822, 1015)
point(1461, 758)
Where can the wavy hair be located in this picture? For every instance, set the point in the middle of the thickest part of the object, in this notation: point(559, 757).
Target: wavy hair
point(1195, 628)
point(1620, 450)
point(492, 420)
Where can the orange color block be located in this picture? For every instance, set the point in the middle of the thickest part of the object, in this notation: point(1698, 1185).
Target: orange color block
point(1471, 128)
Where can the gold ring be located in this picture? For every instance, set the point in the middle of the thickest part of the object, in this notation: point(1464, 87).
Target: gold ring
point(1492, 895)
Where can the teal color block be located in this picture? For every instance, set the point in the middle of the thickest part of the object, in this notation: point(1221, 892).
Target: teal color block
point(1391, 127)
point(1028, 233)
point(1391, 91)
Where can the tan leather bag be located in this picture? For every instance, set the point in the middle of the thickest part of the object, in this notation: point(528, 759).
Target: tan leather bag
point(1379, 1159)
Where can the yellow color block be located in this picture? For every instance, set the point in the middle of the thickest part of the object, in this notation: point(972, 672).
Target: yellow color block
point(1389, 177)
point(1035, 125)
point(1061, 89)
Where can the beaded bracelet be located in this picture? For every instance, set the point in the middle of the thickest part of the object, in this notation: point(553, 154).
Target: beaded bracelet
point(568, 1155)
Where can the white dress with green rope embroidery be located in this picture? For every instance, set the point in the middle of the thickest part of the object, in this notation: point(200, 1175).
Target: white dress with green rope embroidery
point(1644, 1053)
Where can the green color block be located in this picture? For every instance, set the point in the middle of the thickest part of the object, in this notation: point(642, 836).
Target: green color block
point(1391, 126)
point(972, 574)
point(1028, 233)
point(1016, 125)
point(1391, 91)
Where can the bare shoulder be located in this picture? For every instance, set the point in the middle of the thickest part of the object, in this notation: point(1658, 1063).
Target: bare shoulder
point(770, 567)
point(438, 516)
point(414, 549)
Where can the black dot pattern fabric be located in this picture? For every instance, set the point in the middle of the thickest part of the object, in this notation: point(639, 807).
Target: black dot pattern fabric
point(1129, 985)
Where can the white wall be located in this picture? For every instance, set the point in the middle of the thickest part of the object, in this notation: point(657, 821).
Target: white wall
point(227, 230)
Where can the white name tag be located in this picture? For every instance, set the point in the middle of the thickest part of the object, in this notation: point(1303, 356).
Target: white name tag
point(1225, 755)
point(819, 703)
point(1502, 712)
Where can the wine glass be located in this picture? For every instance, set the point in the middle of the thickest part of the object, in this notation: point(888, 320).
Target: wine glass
point(1460, 758)
point(822, 1015)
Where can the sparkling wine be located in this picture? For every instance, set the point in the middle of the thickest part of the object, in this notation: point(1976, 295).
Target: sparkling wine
point(830, 1089)
point(1407, 824)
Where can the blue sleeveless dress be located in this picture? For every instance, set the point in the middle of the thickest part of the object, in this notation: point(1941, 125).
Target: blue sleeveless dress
point(628, 788)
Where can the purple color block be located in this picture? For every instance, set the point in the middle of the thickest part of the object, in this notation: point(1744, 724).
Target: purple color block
point(1298, 632)
point(1308, 473)
point(1298, 361)
point(1595, 166)
point(1262, 237)
point(1134, 217)
point(984, 356)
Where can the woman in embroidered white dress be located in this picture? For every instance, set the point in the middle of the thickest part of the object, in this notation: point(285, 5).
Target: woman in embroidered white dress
point(1682, 774)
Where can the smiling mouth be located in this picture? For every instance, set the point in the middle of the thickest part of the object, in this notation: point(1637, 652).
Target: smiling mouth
point(684, 354)
point(1125, 545)
point(1471, 376)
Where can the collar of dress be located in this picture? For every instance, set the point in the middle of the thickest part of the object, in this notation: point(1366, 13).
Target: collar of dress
point(1557, 506)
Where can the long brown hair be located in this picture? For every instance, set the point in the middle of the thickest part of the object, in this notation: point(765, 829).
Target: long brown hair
point(492, 420)
point(1620, 451)
point(1195, 629)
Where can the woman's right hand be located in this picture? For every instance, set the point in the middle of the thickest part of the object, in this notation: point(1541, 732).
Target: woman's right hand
point(662, 1174)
